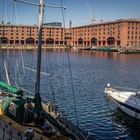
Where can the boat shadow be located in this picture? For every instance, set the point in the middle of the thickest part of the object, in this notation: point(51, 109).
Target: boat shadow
point(131, 124)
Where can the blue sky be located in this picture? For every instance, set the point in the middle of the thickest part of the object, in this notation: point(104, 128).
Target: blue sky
point(80, 12)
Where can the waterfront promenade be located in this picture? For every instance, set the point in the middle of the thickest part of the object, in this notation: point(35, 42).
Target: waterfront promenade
point(32, 47)
point(126, 50)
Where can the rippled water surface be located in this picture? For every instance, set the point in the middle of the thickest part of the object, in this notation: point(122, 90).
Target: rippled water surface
point(90, 73)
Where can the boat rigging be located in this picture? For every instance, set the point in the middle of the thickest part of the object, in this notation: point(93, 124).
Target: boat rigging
point(15, 104)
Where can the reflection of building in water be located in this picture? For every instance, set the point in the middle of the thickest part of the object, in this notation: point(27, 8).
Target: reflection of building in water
point(124, 33)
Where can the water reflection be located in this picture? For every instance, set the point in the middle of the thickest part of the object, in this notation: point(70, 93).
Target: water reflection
point(110, 55)
point(91, 71)
point(130, 125)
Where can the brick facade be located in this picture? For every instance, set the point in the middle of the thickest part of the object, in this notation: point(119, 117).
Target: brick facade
point(116, 33)
point(28, 35)
point(124, 33)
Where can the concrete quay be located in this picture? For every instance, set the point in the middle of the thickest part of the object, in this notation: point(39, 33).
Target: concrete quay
point(32, 47)
point(121, 50)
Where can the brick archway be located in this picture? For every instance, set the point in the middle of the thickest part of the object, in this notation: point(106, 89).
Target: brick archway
point(111, 41)
point(94, 41)
point(80, 41)
point(50, 41)
point(4, 40)
point(30, 41)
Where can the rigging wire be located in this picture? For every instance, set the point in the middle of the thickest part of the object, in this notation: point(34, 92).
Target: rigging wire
point(3, 56)
point(70, 70)
point(5, 65)
point(17, 73)
point(50, 79)
point(15, 12)
point(34, 10)
point(63, 62)
point(2, 12)
point(20, 51)
point(5, 12)
point(26, 76)
point(17, 30)
point(53, 82)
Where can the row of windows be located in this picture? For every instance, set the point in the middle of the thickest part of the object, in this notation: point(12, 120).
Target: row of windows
point(133, 43)
point(33, 28)
point(96, 28)
point(134, 32)
point(133, 23)
point(37, 38)
point(95, 33)
point(32, 34)
point(81, 31)
point(133, 28)
point(19, 30)
point(103, 38)
point(108, 27)
point(31, 31)
point(102, 26)
point(28, 35)
point(52, 35)
point(133, 37)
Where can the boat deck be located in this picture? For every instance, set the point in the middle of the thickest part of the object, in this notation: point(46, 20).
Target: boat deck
point(16, 130)
point(125, 90)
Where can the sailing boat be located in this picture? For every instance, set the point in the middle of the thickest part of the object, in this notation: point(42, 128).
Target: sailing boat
point(128, 100)
point(28, 115)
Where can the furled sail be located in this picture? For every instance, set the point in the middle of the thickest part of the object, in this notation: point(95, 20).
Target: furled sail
point(10, 88)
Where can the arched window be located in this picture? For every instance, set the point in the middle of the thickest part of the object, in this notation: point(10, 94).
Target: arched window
point(50, 41)
point(94, 42)
point(4, 40)
point(80, 41)
point(111, 41)
point(30, 41)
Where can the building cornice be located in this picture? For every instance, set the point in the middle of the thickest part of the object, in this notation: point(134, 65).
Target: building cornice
point(136, 20)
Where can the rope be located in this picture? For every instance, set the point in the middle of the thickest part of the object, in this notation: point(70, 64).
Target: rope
point(5, 65)
point(70, 71)
point(15, 12)
point(5, 12)
point(34, 14)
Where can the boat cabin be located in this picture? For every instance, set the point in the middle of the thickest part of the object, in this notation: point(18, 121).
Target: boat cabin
point(19, 109)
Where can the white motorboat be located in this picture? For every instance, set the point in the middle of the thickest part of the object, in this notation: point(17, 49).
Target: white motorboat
point(127, 99)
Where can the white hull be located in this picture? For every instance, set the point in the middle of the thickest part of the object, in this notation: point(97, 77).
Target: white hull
point(128, 101)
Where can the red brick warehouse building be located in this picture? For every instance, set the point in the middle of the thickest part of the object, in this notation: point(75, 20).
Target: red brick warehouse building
point(125, 33)
point(115, 33)
point(28, 35)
